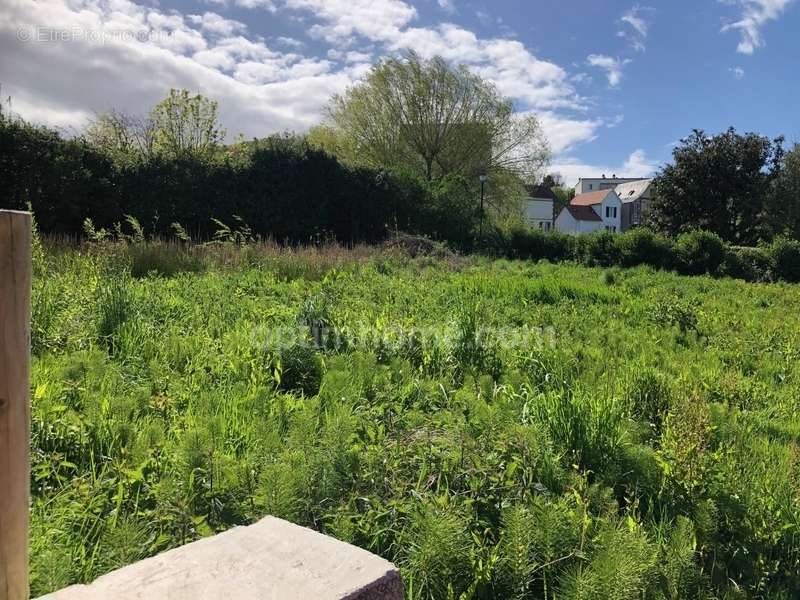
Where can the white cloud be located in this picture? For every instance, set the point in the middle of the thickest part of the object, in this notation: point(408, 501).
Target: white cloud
point(261, 88)
point(447, 6)
point(612, 67)
point(755, 14)
point(635, 26)
point(120, 55)
point(213, 23)
point(564, 133)
point(263, 4)
point(377, 20)
point(738, 72)
point(636, 165)
point(289, 42)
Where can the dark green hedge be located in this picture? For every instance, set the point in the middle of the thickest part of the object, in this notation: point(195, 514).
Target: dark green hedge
point(692, 253)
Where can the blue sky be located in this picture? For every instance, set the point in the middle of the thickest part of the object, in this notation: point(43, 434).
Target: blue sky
point(614, 83)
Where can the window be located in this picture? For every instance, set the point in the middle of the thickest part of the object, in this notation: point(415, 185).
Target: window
point(590, 186)
point(615, 212)
point(608, 211)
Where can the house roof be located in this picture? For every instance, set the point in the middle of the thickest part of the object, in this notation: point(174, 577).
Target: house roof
point(590, 198)
point(632, 191)
point(582, 213)
point(540, 192)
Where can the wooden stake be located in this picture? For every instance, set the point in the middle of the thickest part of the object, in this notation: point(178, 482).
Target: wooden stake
point(15, 350)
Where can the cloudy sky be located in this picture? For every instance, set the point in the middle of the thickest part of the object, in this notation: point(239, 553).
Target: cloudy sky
point(615, 84)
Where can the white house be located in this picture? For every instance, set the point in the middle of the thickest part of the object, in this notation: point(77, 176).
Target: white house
point(635, 197)
point(539, 208)
point(593, 211)
point(578, 219)
point(596, 184)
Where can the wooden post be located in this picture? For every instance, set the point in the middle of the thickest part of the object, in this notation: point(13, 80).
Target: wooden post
point(15, 349)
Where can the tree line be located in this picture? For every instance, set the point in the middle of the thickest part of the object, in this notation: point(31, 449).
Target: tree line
point(743, 187)
point(402, 150)
point(173, 165)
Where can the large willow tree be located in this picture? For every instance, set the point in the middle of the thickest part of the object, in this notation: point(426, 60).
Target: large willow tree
point(432, 119)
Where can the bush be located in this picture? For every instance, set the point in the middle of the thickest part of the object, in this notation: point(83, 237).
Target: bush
point(700, 252)
point(533, 244)
point(750, 264)
point(785, 254)
point(598, 249)
point(418, 245)
point(643, 247)
point(300, 369)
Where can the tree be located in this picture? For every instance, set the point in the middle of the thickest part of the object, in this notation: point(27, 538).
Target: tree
point(564, 194)
point(782, 211)
point(126, 139)
point(430, 118)
point(181, 126)
point(717, 183)
point(186, 126)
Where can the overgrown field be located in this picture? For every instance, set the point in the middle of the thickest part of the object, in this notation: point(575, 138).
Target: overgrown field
point(497, 429)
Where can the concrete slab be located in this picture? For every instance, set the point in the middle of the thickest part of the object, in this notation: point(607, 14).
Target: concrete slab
point(270, 560)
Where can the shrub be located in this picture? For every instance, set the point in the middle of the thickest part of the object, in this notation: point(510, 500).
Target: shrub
point(785, 254)
point(527, 243)
point(418, 245)
point(598, 249)
point(300, 369)
point(700, 252)
point(750, 264)
point(643, 247)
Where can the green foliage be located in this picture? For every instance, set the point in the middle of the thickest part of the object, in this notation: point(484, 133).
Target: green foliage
point(497, 428)
point(598, 249)
point(643, 247)
point(699, 252)
point(717, 183)
point(750, 264)
point(299, 368)
point(526, 243)
point(785, 254)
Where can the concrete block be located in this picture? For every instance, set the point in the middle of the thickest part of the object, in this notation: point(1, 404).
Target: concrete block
point(270, 560)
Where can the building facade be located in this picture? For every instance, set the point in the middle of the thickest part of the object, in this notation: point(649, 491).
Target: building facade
point(593, 211)
point(586, 185)
point(539, 208)
point(635, 197)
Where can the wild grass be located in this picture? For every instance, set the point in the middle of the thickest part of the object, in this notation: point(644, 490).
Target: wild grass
point(499, 429)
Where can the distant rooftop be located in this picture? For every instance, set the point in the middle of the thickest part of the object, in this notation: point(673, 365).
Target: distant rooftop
point(633, 190)
point(582, 213)
point(612, 178)
point(590, 198)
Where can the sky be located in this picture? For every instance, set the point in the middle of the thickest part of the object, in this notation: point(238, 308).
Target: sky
point(615, 84)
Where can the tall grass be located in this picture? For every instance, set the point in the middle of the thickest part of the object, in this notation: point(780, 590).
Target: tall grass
point(644, 446)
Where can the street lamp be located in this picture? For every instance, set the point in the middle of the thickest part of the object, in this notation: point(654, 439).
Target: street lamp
point(483, 179)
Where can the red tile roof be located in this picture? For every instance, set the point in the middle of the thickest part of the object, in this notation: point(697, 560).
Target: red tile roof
point(583, 213)
point(590, 198)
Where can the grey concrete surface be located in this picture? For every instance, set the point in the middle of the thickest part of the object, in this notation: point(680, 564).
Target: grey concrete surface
point(270, 560)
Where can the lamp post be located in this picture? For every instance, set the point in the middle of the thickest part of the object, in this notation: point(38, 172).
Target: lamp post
point(483, 178)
